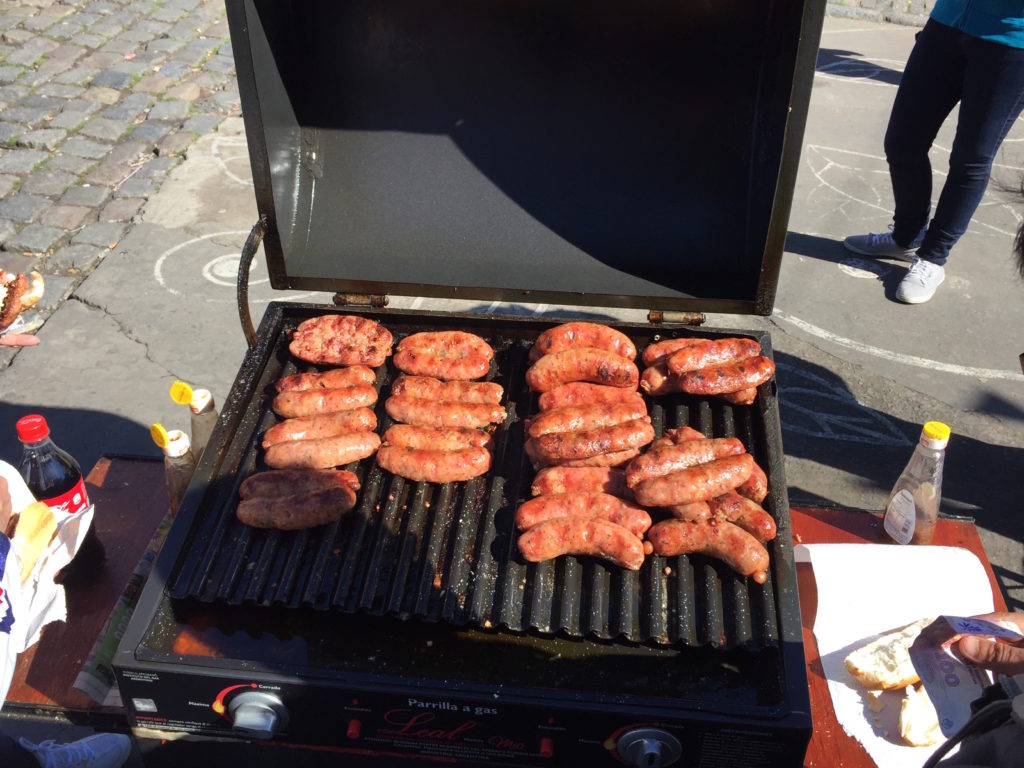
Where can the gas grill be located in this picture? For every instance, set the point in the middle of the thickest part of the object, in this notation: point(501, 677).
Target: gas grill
point(558, 153)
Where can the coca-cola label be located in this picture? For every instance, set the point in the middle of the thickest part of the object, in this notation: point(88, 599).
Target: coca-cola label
point(71, 503)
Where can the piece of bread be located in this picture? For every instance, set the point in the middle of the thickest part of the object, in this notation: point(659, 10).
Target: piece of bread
point(919, 723)
point(36, 527)
point(18, 293)
point(884, 664)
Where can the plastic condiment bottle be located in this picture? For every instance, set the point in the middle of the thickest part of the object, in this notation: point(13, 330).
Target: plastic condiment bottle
point(204, 413)
point(179, 462)
point(913, 506)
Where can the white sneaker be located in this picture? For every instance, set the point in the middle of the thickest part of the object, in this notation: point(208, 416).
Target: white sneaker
point(920, 282)
point(101, 750)
point(882, 244)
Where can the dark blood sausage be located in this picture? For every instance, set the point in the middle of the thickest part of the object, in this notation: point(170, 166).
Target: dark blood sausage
point(304, 510)
point(552, 480)
point(660, 351)
point(312, 402)
point(444, 355)
point(321, 425)
point(583, 504)
point(597, 366)
point(663, 459)
point(454, 391)
point(741, 397)
point(576, 418)
point(656, 380)
point(341, 340)
point(699, 483)
point(754, 487)
point(293, 482)
point(423, 465)
point(586, 393)
point(711, 352)
point(431, 413)
point(582, 536)
point(747, 514)
point(336, 378)
point(591, 442)
point(437, 438)
point(323, 452)
point(729, 377)
point(696, 510)
point(721, 540)
point(578, 334)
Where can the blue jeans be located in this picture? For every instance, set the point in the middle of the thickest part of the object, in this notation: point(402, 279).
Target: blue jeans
point(947, 66)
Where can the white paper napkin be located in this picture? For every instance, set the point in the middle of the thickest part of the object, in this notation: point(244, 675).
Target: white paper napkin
point(865, 590)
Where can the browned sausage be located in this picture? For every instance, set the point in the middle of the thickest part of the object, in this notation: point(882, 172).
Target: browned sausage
point(437, 438)
point(583, 504)
point(582, 364)
point(323, 452)
point(444, 355)
point(669, 458)
point(697, 510)
point(551, 480)
point(289, 513)
point(699, 483)
point(741, 397)
point(722, 540)
point(660, 351)
point(582, 536)
point(754, 487)
point(676, 435)
point(577, 334)
point(576, 418)
point(341, 340)
point(430, 413)
point(336, 378)
point(453, 391)
point(747, 514)
point(711, 352)
point(293, 482)
point(729, 377)
point(591, 442)
point(656, 380)
point(313, 402)
point(322, 425)
point(586, 393)
point(423, 465)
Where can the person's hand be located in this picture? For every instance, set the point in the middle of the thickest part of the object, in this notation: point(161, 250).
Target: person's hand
point(1002, 656)
point(18, 340)
point(6, 509)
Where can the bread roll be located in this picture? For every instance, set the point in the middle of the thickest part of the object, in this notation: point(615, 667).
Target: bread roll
point(919, 724)
point(884, 664)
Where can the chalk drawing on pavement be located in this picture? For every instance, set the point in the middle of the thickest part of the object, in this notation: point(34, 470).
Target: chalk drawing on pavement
point(232, 155)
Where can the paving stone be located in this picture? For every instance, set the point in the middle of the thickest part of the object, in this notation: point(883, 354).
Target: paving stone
point(102, 94)
point(77, 76)
point(33, 78)
point(174, 145)
point(175, 69)
point(138, 186)
point(12, 92)
point(35, 238)
point(48, 182)
point(112, 79)
point(66, 217)
point(202, 123)
point(85, 148)
point(76, 258)
point(107, 29)
point(8, 74)
point(8, 184)
point(169, 110)
point(122, 209)
point(222, 64)
point(159, 166)
point(22, 160)
point(50, 67)
point(44, 138)
point(103, 59)
point(71, 121)
point(164, 45)
point(105, 234)
point(68, 52)
point(90, 40)
point(69, 163)
point(22, 207)
point(102, 128)
point(9, 131)
point(88, 106)
point(129, 108)
point(196, 52)
point(150, 131)
point(7, 228)
point(31, 51)
point(32, 117)
point(184, 92)
point(120, 45)
point(16, 36)
point(61, 91)
point(90, 195)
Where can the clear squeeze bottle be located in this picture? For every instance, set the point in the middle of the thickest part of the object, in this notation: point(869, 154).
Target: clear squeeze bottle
point(179, 462)
point(913, 506)
point(203, 410)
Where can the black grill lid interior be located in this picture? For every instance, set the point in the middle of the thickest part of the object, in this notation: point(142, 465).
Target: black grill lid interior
point(589, 153)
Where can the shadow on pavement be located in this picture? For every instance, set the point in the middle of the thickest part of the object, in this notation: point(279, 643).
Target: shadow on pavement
point(849, 64)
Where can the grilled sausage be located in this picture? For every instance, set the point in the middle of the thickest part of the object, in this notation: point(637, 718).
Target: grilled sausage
point(721, 540)
point(341, 340)
point(305, 510)
point(591, 442)
point(711, 352)
point(430, 388)
point(582, 536)
point(336, 378)
point(444, 355)
point(699, 483)
point(579, 334)
point(576, 418)
point(430, 413)
point(323, 452)
point(656, 380)
point(747, 514)
point(586, 393)
point(321, 425)
point(614, 459)
point(754, 487)
point(669, 458)
point(741, 397)
point(583, 504)
point(552, 480)
point(694, 511)
point(295, 482)
point(660, 351)
point(582, 364)
point(424, 465)
point(677, 435)
point(729, 377)
point(312, 402)
point(437, 438)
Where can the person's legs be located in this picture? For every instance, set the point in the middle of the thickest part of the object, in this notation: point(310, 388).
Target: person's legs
point(13, 756)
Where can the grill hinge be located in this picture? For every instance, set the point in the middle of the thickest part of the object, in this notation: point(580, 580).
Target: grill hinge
point(663, 317)
point(361, 300)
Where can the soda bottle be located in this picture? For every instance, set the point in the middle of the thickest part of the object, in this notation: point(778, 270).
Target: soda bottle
point(913, 506)
point(179, 462)
point(54, 477)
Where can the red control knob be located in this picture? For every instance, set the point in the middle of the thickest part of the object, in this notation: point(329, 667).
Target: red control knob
point(355, 728)
point(547, 747)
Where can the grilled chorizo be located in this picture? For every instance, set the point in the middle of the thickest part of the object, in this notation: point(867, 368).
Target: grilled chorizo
point(429, 388)
point(311, 402)
point(597, 366)
point(660, 351)
point(581, 334)
point(747, 514)
point(709, 352)
point(444, 355)
point(576, 418)
point(754, 487)
point(335, 378)
point(729, 377)
point(582, 536)
point(695, 510)
point(304, 510)
point(430, 413)
point(741, 397)
point(437, 438)
point(560, 479)
point(323, 452)
point(699, 483)
point(592, 442)
point(718, 539)
point(424, 465)
point(321, 425)
point(656, 380)
point(604, 506)
point(586, 393)
point(669, 458)
point(293, 482)
point(341, 340)
point(676, 435)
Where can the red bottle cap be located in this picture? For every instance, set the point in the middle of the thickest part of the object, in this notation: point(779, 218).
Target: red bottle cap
point(32, 428)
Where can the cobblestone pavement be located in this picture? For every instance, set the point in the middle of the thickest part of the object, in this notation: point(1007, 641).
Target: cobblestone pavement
point(99, 100)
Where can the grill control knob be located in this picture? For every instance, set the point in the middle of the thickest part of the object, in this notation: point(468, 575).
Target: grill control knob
point(257, 714)
point(649, 748)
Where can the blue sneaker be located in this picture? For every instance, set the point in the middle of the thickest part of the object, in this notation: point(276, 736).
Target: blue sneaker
point(882, 244)
point(101, 750)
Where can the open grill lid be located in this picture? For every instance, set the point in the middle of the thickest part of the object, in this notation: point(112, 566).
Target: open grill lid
point(587, 153)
